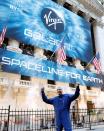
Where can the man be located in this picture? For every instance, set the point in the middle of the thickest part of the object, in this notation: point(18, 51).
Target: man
point(61, 105)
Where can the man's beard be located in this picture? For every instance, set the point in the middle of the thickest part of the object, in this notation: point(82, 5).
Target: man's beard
point(60, 95)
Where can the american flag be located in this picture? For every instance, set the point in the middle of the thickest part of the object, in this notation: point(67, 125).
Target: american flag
point(96, 62)
point(61, 55)
point(2, 36)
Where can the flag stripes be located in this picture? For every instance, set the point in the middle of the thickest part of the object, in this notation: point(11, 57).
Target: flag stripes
point(96, 62)
point(2, 36)
point(61, 55)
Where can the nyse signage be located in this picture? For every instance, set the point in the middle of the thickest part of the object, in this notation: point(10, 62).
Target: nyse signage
point(44, 23)
point(31, 66)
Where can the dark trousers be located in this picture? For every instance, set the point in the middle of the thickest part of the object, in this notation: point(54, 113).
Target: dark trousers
point(60, 128)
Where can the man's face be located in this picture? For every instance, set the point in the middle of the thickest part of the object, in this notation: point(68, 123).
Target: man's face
point(59, 91)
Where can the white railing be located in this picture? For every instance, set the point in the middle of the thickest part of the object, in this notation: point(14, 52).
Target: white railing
point(23, 83)
point(4, 81)
point(51, 87)
point(15, 83)
point(87, 92)
point(27, 84)
point(73, 89)
point(91, 93)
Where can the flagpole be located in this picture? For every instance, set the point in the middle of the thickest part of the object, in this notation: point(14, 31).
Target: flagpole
point(101, 77)
point(57, 48)
point(90, 61)
point(52, 54)
point(99, 73)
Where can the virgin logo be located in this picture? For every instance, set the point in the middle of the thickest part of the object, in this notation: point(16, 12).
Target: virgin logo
point(52, 21)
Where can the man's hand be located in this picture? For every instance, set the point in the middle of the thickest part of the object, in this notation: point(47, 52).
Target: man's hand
point(42, 89)
point(77, 86)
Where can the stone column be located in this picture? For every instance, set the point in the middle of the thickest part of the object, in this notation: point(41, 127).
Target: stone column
point(13, 45)
point(77, 63)
point(99, 42)
point(87, 17)
point(61, 2)
point(38, 52)
point(75, 10)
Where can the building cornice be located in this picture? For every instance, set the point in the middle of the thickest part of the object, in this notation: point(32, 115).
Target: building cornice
point(91, 8)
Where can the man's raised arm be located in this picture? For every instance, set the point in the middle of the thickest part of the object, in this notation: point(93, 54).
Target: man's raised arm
point(44, 97)
point(77, 93)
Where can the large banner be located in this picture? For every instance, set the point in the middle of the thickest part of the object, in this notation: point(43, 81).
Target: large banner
point(31, 66)
point(43, 23)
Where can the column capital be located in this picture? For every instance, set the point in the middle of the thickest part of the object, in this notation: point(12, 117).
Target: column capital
point(61, 2)
point(13, 45)
point(87, 17)
point(75, 9)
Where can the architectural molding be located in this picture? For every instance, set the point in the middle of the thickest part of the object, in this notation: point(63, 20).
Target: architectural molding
point(91, 8)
